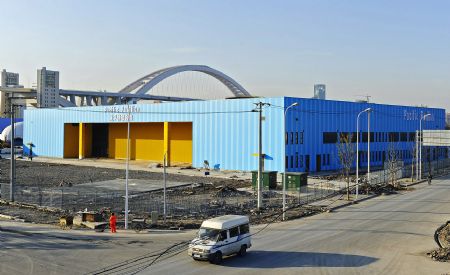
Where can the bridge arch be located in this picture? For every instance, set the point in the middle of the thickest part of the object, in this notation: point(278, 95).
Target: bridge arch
point(144, 84)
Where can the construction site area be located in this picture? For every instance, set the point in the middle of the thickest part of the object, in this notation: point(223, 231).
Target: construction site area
point(46, 191)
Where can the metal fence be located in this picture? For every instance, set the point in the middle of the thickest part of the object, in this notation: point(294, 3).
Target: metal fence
point(188, 202)
point(438, 167)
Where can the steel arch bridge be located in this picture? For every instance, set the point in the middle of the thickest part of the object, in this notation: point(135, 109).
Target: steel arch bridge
point(144, 84)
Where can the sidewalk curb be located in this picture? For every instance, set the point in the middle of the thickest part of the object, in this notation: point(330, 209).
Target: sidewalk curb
point(422, 181)
point(412, 184)
point(352, 202)
point(8, 217)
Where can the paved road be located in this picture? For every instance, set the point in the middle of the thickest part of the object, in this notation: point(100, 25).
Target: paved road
point(386, 235)
point(40, 249)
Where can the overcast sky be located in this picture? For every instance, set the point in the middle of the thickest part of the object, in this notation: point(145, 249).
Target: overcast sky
point(398, 52)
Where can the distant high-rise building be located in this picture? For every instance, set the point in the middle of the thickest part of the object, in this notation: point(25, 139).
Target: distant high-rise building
point(47, 88)
point(447, 119)
point(9, 79)
point(320, 91)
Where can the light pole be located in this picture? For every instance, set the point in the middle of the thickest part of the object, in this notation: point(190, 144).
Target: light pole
point(421, 141)
point(357, 149)
point(127, 167)
point(284, 160)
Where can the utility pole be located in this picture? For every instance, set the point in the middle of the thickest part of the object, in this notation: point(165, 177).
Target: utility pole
point(13, 159)
point(259, 107)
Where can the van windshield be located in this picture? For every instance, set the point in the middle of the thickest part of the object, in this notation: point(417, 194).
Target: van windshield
point(208, 233)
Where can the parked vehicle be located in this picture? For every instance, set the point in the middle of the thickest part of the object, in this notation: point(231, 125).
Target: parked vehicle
point(221, 236)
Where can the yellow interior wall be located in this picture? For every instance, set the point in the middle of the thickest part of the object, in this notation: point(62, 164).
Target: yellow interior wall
point(71, 140)
point(180, 142)
point(88, 140)
point(147, 141)
point(117, 140)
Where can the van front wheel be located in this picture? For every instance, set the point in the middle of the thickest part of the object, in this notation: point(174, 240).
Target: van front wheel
point(243, 250)
point(216, 258)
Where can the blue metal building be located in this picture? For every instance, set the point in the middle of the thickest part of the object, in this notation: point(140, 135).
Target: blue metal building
point(225, 132)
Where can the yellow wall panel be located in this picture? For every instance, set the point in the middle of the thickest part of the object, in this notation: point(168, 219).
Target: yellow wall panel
point(71, 140)
point(147, 141)
point(180, 142)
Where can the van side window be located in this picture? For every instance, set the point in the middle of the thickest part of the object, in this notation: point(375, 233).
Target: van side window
point(223, 235)
point(244, 229)
point(234, 232)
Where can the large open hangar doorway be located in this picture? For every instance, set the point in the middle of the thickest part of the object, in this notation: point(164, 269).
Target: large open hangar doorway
point(148, 141)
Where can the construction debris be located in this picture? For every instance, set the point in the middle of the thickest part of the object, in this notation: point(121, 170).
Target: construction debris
point(441, 254)
point(442, 238)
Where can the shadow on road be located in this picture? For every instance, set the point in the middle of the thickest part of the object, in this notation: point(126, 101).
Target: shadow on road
point(280, 259)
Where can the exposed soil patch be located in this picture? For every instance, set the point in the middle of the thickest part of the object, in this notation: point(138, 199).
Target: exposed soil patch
point(30, 213)
point(50, 174)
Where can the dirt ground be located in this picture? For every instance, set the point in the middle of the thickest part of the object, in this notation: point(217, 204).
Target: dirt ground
point(54, 175)
point(49, 174)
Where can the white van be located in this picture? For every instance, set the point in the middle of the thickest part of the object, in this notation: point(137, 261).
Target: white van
point(221, 236)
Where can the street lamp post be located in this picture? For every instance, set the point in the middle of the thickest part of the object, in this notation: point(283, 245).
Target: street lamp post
point(421, 142)
point(357, 149)
point(127, 165)
point(284, 160)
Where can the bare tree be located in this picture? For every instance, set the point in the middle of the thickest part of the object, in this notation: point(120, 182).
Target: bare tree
point(346, 153)
point(413, 151)
point(394, 164)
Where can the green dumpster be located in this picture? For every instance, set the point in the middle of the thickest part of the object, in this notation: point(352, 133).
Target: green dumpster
point(269, 179)
point(295, 180)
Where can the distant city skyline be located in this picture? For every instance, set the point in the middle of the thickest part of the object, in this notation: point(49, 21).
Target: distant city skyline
point(395, 51)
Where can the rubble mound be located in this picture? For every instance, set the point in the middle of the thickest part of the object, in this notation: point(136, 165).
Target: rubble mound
point(442, 235)
point(384, 189)
point(441, 254)
point(229, 191)
point(442, 238)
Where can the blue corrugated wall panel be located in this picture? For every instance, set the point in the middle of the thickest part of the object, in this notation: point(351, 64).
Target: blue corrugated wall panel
point(225, 132)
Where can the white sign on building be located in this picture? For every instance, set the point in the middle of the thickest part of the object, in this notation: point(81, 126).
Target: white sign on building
point(436, 137)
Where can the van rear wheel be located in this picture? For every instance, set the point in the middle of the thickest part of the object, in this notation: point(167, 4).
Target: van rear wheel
point(243, 250)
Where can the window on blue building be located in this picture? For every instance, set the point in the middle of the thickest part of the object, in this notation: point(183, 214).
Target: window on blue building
point(296, 161)
point(403, 137)
point(296, 137)
point(301, 137)
point(301, 161)
point(329, 137)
